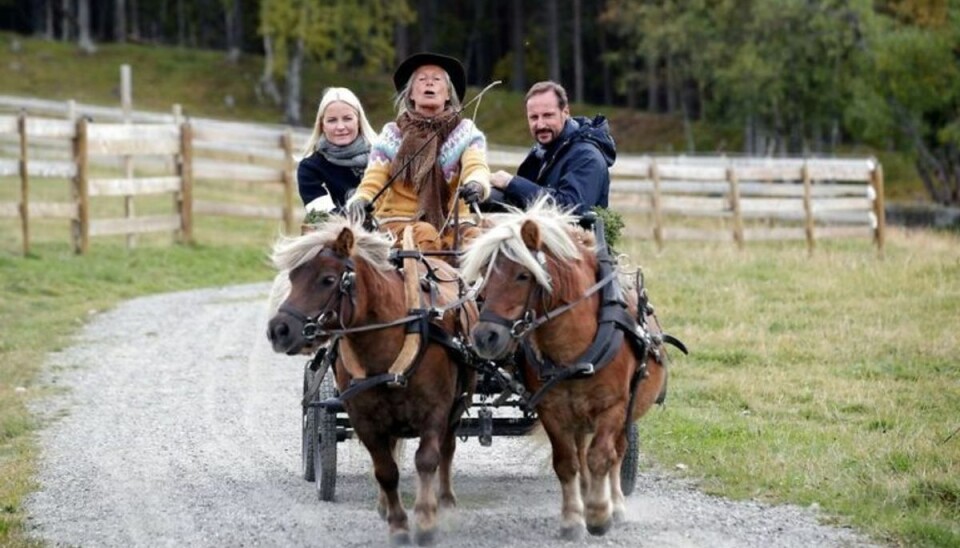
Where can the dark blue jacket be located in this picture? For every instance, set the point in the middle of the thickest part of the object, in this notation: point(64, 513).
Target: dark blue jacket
point(316, 176)
point(574, 168)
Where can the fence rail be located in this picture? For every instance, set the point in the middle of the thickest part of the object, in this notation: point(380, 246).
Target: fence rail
point(664, 198)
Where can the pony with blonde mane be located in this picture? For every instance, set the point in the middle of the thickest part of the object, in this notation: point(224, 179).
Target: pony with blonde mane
point(344, 285)
point(542, 301)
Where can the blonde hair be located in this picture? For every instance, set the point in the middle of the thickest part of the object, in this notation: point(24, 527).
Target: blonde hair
point(403, 103)
point(344, 95)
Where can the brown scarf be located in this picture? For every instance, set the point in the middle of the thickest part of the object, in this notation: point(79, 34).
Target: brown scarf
point(423, 172)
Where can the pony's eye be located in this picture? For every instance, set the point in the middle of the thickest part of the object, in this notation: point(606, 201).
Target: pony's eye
point(523, 277)
point(328, 281)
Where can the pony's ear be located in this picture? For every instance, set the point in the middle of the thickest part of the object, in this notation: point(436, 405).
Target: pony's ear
point(343, 247)
point(530, 233)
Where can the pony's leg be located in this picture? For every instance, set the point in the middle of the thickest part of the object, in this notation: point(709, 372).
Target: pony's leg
point(395, 450)
point(425, 507)
point(565, 465)
point(388, 477)
point(617, 499)
point(449, 445)
point(601, 456)
point(583, 444)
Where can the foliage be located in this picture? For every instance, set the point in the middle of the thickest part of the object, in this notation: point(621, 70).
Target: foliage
point(912, 96)
point(612, 224)
point(315, 216)
point(339, 34)
point(783, 65)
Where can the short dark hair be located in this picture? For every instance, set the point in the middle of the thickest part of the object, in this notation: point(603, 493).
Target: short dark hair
point(546, 86)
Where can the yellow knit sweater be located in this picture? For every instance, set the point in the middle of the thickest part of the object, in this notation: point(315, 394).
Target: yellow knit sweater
point(465, 156)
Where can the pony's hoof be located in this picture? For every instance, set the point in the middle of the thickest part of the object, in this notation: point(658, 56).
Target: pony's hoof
point(400, 538)
point(425, 538)
point(601, 529)
point(448, 501)
point(572, 532)
point(619, 516)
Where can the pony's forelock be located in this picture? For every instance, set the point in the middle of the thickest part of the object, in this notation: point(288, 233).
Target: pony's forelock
point(290, 252)
point(504, 237)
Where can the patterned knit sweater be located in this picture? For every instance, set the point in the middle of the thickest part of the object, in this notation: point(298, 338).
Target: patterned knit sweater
point(463, 157)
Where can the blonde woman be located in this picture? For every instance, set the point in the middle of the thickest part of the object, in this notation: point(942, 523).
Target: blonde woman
point(335, 156)
point(431, 151)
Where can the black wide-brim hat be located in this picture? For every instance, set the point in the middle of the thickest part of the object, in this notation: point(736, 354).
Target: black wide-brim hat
point(451, 65)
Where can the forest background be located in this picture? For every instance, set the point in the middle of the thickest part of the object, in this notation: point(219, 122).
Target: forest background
point(757, 77)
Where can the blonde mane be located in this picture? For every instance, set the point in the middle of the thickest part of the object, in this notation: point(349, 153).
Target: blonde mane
point(557, 233)
point(372, 247)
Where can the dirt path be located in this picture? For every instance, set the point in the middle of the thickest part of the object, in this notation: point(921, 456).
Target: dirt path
point(181, 428)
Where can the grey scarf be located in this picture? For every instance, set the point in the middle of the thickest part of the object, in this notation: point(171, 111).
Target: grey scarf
point(353, 155)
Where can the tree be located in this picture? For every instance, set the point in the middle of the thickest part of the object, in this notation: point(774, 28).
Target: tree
point(518, 82)
point(912, 97)
point(84, 42)
point(553, 40)
point(233, 23)
point(120, 21)
point(577, 53)
point(340, 34)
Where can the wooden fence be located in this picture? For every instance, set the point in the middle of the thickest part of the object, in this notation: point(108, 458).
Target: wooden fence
point(663, 198)
point(749, 199)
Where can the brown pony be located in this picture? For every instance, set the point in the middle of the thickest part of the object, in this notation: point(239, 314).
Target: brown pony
point(541, 290)
point(343, 283)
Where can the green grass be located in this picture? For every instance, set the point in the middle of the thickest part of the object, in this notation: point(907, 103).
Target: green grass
point(830, 379)
point(49, 295)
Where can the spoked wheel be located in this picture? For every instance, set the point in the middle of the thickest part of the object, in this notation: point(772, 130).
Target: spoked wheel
point(631, 461)
point(309, 441)
point(325, 448)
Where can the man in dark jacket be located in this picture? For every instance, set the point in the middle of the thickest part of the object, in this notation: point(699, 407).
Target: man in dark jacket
point(570, 160)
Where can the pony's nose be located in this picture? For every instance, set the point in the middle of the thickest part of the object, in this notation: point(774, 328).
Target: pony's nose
point(278, 332)
point(490, 340)
point(282, 336)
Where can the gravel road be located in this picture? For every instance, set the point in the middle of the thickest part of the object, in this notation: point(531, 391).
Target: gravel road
point(178, 426)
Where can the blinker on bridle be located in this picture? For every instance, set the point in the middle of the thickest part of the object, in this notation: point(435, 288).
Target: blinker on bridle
point(528, 320)
point(313, 325)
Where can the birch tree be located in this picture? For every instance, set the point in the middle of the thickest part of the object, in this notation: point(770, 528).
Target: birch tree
point(339, 35)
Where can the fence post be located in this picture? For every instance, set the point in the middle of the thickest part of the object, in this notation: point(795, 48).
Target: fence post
point(289, 181)
point(126, 102)
point(657, 214)
point(185, 169)
point(174, 165)
point(876, 181)
point(81, 227)
point(24, 182)
point(735, 205)
point(807, 207)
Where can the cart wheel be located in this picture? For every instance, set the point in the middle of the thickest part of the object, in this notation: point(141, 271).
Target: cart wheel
point(309, 426)
point(325, 448)
point(631, 461)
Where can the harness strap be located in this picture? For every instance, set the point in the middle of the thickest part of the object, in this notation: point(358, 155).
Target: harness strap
point(326, 356)
point(432, 332)
point(580, 369)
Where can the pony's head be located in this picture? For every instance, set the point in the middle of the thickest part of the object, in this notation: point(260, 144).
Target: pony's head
point(322, 269)
point(526, 260)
